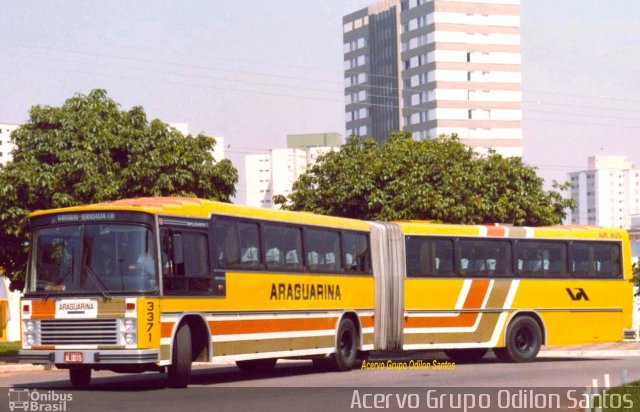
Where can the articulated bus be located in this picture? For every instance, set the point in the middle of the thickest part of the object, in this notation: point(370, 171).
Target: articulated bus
point(154, 284)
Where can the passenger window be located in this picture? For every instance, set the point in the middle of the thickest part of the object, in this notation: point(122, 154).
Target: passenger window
point(545, 259)
point(356, 253)
point(322, 249)
point(283, 247)
point(429, 257)
point(237, 244)
point(595, 259)
point(485, 257)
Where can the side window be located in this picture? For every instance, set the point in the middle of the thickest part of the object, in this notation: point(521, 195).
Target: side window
point(356, 253)
point(534, 258)
point(322, 249)
point(485, 257)
point(595, 259)
point(185, 262)
point(429, 257)
point(282, 246)
point(237, 244)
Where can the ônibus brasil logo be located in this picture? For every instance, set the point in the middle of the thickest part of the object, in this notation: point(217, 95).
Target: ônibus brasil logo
point(31, 400)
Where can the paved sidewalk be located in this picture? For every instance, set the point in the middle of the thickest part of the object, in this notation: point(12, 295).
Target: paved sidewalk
point(597, 350)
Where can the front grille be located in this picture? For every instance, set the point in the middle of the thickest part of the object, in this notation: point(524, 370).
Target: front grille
point(79, 332)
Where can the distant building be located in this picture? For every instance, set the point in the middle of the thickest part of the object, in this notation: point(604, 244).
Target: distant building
point(6, 146)
point(218, 149)
point(268, 175)
point(435, 67)
point(607, 193)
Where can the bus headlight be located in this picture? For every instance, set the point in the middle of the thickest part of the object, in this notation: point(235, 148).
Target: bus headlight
point(30, 326)
point(130, 338)
point(130, 325)
point(31, 339)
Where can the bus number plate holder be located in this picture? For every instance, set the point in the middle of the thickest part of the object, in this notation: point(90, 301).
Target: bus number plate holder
point(73, 357)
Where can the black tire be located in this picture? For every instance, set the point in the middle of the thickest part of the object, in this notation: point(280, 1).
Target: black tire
point(466, 355)
point(347, 343)
point(80, 376)
point(179, 372)
point(257, 365)
point(523, 341)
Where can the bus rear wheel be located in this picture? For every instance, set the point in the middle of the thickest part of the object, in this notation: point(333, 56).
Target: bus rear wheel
point(523, 341)
point(466, 355)
point(179, 372)
point(347, 343)
point(80, 376)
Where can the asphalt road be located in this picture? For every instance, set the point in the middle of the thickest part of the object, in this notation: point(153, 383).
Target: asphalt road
point(296, 385)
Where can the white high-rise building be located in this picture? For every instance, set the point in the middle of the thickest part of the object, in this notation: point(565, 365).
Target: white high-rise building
point(6, 146)
point(607, 193)
point(268, 175)
point(435, 67)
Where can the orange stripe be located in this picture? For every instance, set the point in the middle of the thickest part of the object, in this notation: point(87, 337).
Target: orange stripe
point(477, 293)
point(367, 321)
point(238, 327)
point(496, 231)
point(43, 309)
point(166, 328)
point(43, 347)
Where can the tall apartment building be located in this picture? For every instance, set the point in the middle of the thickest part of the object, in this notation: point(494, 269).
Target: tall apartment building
point(607, 193)
point(6, 146)
point(435, 67)
point(268, 175)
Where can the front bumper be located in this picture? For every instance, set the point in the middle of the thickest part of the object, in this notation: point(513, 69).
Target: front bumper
point(91, 356)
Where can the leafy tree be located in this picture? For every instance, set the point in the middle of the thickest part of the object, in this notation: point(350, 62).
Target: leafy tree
point(89, 151)
point(437, 179)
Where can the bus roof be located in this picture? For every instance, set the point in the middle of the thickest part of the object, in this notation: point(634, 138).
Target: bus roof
point(493, 230)
point(203, 208)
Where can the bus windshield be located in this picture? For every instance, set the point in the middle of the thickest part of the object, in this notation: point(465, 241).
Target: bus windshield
point(93, 258)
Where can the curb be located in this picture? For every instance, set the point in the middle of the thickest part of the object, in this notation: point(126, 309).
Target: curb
point(589, 353)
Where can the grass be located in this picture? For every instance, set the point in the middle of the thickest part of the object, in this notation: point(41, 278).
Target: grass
point(9, 348)
point(622, 398)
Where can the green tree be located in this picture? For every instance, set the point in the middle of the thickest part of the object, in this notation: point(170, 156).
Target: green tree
point(437, 179)
point(88, 150)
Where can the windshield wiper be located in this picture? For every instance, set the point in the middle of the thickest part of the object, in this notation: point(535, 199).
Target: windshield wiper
point(101, 286)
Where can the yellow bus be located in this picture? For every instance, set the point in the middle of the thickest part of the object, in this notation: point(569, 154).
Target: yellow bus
point(158, 283)
point(466, 289)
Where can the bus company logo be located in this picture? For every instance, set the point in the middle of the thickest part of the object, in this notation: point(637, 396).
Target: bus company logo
point(577, 294)
point(31, 400)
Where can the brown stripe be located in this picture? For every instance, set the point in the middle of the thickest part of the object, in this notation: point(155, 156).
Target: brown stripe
point(272, 345)
point(165, 352)
point(111, 309)
point(477, 294)
point(486, 326)
point(43, 347)
point(367, 338)
point(239, 327)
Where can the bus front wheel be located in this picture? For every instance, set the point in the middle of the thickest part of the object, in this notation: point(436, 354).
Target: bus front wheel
point(179, 372)
point(80, 376)
point(523, 341)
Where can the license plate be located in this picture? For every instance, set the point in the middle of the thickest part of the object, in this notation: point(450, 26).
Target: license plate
point(73, 357)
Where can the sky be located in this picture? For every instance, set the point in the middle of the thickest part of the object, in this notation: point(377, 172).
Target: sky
point(254, 71)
